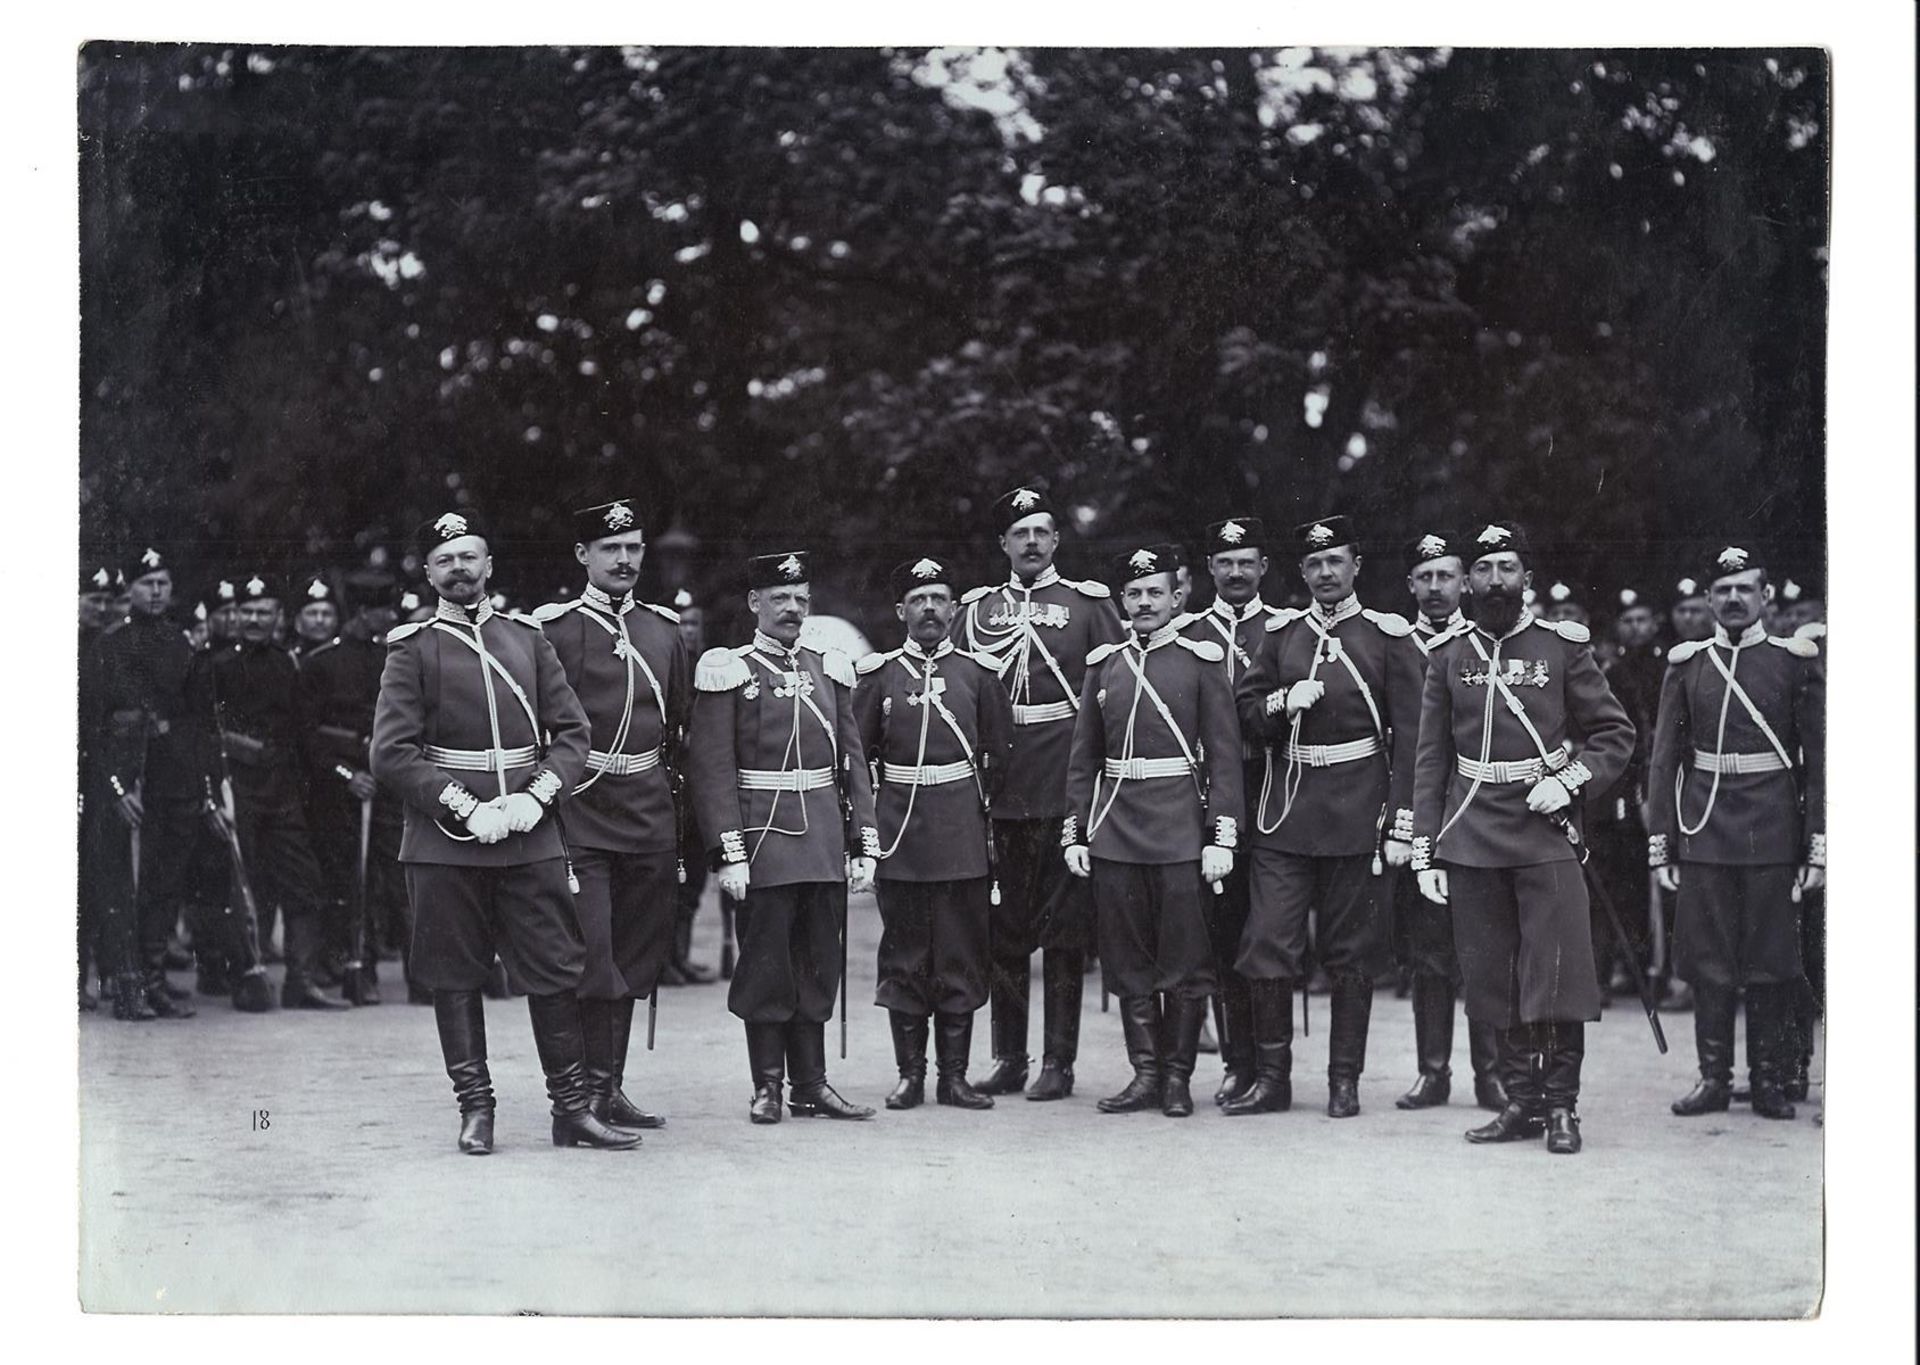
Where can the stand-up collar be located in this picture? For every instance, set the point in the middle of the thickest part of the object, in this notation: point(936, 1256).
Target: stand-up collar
point(1426, 627)
point(1752, 635)
point(463, 616)
point(1227, 611)
point(1047, 576)
point(1338, 612)
point(767, 644)
point(593, 597)
point(914, 651)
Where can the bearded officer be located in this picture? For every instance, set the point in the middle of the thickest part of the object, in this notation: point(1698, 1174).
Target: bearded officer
point(479, 732)
point(786, 806)
point(1436, 576)
point(1737, 827)
point(629, 669)
point(1333, 695)
point(1043, 627)
point(1152, 820)
point(1516, 721)
point(1236, 620)
point(937, 724)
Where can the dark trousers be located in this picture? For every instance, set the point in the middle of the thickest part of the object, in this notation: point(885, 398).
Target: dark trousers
point(1152, 930)
point(280, 864)
point(335, 817)
point(1429, 930)
point(626, 906)
point(789, 964)
point(1737, 926)
point(1351, 929)
point(1226, 924)
point(933, 946)
point(1038, 907)
point(464, 916)
point(169, 832)
point(108, 923)
point(1525, 948)
point(1619, 849)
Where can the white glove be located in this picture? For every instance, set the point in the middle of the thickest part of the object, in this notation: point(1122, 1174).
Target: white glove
point(1433, 884)
point(1398, 854)
point(733, 880)
point(1812, 878)
point(1548, 796)
point(860, 875)
point(523, 812)
point(489, 823)
point(1668, 877)
point(1215, 863)
point(1080, 860)
point(1304, 694)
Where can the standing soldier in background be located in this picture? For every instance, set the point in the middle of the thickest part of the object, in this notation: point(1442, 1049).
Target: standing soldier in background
point(1515, 721)
point(936, 721)
point(626, 664)
point(1737, 827)
point(1152, 820)
point(1436, 576)
point(1236, 621)
point(474, 696)
point(786, 804)
point(1042, 627)
point(1334, 695)
point(1689, 614)
point(680, 969)
point(316, 617)
point(96, 616)
point(1616, 824)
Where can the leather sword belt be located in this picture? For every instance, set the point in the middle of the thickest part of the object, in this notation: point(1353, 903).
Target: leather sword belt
point(1327, 755)
point(481, 760)
point(1768, 762)
point(622, 765)
point(1134, 769)
point(785, 779)
point(928, 775)
point(1043, 714)
point(1519, 770)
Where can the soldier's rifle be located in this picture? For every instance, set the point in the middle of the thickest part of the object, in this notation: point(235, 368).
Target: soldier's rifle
point(251, 992)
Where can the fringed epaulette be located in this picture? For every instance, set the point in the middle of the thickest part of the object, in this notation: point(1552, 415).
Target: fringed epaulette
point(659, 610)
point(1812, 630)
point(1086, 587)
point(553, 611)
point(399, 633)
point(1683, 651)
point(1100, 654)
point(1284, 616)
point(838, 665)
point(867, 663)
point(972, 595)
point(1800, 646)
point(720, 670)
point(1205, 649)
point(1390, 623)
point(1571, 631)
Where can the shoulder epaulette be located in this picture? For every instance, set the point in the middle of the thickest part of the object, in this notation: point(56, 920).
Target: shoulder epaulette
point(1205, 649)
point(1812, 630)
point(1284, 616)
point(995, 664)
point(868, 662)
point(720, 670)
point(523, 618)
point(1683, 651)
point(659, 610)
point(838, 665)
point(399, 633)
point(1100, 653)
point(553, 611)
point(1086, 587)
point(972, 595)
point(1390, 623)
point(1800, 646)
point(1570, 631)
point(1184, 619)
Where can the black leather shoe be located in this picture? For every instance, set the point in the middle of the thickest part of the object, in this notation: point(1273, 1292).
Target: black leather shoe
point(822, 1101)
point(1708, 1096)
point(910, 1056)
point(1233, 1084)
point(622, 1112)
point(476, 1132)
point(1770, 1101)
point(1176, 1098)
point(767, 1058)
point(1343, 1097)
point(584, 1130)
point(1428, 1091)
point(1182, 1019)
point(361, 984)
point(765, 1106)
point(130, 1000)
point(1055, 1081)
point(1140, 1023)
point(1008, 1077)
point(253, 993)
point(301, 994)
point(953, 1090)
point(1563, 1132)
point(910, 1093)
point(1272, 1088)
point(1512, 1124)
point(953, 1046)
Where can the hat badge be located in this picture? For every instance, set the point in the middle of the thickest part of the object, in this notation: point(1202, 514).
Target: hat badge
point(225, 588)
point(1628, 597)
point(1233, 533)
point(409, 601)
point(1431, 546)
point(790, 568)
point(199, 611)
point(1791, 590)
point(1319, 534)
point(619, 517)
point(1687, 586)
point(451, 524)
point(1732, 559)
point(926, 568)
point(317, 590)
point(151, 558)
point(1143, 561)
point(1560, 592)
point(682, 600)
point(1025, 498)
point(1495, 535)
point(256, 584)
point(100, 579)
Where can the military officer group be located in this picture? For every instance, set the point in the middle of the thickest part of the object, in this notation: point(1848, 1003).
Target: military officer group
point(1219, 805)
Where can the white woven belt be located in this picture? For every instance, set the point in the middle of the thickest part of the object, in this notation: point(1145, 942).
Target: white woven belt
point(1135, 769)
point(1520, 770)
point(1326, 755)
point(931, 775)
point(481, 760)
point(622, 765)
point(1043, 714)
point(785, 779)
point(1768, 762)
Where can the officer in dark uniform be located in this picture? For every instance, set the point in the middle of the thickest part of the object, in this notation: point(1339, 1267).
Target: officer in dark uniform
point(1333, 695)
point(95, 616)
point(1516, 720)
point(1616, 827)
point(628, 667)
point(1436, 576)
point(478, 732)
point(1737, 821)
point(1236, 620)
point(260, 746)
point(786, 806)
point(1044, 627)
point(1152, 820)
point(680, 969)
point(936, 722)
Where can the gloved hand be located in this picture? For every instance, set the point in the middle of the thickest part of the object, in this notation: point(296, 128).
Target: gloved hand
point(488, 823)
point(860, 875)
point(1668, 877)
point(733, 879)
point(1080, 860)
point(1811, 878)
point(1548, 796)
point(1303, 694)
point(1433, 884)
point(1398, 854)
point(361, 786)
point(129, 809)
point(523, 812)
point(1215, 863)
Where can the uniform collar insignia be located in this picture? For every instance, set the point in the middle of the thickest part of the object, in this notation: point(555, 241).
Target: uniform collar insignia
point(463, 616)
point(1224, 608)
point(1338, 612)
point(593, 597)
point(767, 644)
point(1048, 577)
point(914, 650)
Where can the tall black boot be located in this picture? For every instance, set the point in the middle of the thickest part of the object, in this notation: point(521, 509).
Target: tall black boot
point(1713, 1017)
point(558, 1039)
point(621, 1111)
point(1233, 1020)
point(1063, 975)
point(1769, 1041)
point(462, 1021)
point(1181, 1018)
point(1432, 1043)
point(159, 990)
point(808, 1094)
point(953, 1044)
point(1271, 1005)
point(1483, 1048)
point(1566, 1047)
point(130, 1003)
point(696, 973)
point(1352, 1009)
point(1140, 1024)
point(1009, 992)
point(301, 990)
point(727, 951)
point(1804, 1020)
point(1524, 1116)
point(597, 1064)
point(910, 1055)
point(767, 1056)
